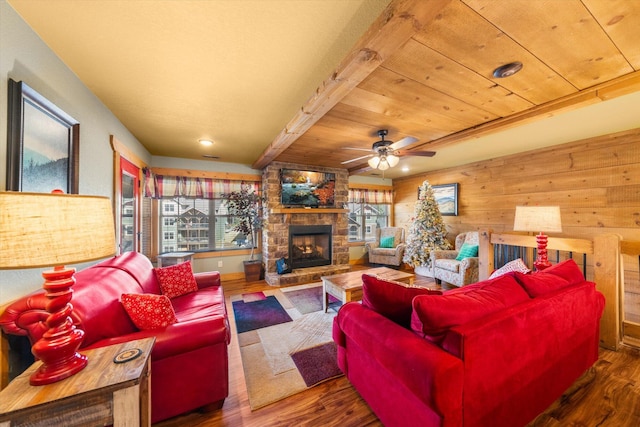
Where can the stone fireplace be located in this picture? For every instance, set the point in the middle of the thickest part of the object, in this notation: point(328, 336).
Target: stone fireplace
point(319, 255)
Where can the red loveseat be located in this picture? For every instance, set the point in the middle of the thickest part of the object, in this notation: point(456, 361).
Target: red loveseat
point(494, 353)
point(189, 361)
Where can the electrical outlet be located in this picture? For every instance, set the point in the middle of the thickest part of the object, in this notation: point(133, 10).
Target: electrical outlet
point(219, 263)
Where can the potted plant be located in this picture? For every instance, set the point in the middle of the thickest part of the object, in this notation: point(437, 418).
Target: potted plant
point(246, 205)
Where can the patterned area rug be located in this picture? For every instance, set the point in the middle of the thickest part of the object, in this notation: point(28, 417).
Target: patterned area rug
point(283, 357)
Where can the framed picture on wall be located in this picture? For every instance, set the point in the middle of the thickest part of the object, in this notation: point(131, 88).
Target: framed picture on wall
point(446, 196)
point(43, 143)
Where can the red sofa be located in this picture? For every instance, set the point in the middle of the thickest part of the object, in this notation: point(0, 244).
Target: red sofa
point(494, 353)
point(189, 361)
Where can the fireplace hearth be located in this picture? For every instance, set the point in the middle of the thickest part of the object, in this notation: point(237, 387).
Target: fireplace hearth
point(310, 245)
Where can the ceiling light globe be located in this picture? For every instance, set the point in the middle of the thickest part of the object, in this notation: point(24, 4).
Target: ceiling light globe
point(374, 162)
point(384, 165)
point(392, 160)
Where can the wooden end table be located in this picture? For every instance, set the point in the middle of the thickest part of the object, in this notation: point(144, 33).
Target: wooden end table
point(348, 286)
point(103, 393)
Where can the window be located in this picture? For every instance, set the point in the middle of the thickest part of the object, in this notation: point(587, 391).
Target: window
point(368, 211)
point(199, 225)
point(193, 216)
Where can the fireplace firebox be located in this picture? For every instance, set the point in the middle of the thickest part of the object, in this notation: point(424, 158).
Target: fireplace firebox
point(309, 245)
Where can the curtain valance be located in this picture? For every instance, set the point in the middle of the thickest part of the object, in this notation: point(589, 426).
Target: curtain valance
point(363, 195)
point(167, 186)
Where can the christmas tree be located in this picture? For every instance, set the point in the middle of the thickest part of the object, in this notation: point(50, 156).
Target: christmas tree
point(427, 232)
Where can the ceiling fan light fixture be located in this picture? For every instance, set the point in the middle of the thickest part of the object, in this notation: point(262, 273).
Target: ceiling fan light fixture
point(374, 162)
point(392, 160)
point(384, 164)
point(507, 70)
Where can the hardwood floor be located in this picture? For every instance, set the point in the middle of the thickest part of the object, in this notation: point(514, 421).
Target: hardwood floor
point(608, 395)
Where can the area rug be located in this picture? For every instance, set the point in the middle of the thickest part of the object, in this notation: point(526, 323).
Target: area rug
point(283, 357)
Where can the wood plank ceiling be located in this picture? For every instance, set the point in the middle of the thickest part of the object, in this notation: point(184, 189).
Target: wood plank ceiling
point(424, 69)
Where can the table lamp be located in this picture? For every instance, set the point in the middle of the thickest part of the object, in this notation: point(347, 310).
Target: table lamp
point(539, 219)
point(43, 230)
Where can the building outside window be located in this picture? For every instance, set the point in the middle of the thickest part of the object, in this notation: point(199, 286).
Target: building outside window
point(368, 211)
point(199, 225)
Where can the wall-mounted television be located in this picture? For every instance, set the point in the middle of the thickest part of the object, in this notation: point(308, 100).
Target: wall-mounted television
point(304, 188)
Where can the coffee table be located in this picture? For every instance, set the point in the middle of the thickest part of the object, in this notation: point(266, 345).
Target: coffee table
point(348, 286)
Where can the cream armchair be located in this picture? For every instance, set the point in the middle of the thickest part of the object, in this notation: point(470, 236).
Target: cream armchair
point(459, 273)
point(390, 255)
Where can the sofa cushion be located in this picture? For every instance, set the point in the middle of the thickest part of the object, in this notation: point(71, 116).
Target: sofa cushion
point(176, 280)
point(467, 251)
point(515, 265)
point(149, 311)
point(433, 315)
point(554, 278)
point(391, 299)
point(387, 242)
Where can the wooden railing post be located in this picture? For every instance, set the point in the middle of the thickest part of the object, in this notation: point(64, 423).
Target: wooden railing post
point(606, 266)
point(485, 254)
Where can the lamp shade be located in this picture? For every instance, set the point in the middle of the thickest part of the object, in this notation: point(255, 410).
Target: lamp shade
point(44, 230)
point(538, 219)
point(374, 162)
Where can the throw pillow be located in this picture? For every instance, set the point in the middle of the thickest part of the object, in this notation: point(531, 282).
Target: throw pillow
point(149, 311)
point(515, 265)
point(387, 242)
point(467, 251)
point(554, 278)
point(176, 280)
point(391, 299)
point(433, 316)
point(567, 269)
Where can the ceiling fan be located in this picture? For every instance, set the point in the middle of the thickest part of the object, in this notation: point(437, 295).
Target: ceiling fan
point(386, 154)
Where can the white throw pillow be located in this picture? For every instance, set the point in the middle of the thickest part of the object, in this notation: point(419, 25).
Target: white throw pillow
point(515, 265)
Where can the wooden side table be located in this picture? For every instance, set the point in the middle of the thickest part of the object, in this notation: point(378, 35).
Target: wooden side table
point(103, 393)
point(173, 258)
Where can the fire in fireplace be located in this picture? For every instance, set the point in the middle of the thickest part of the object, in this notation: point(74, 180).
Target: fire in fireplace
point(309, 245)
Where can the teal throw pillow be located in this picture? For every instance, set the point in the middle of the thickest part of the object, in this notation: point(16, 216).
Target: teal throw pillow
point(387, 242)
point(467, 251)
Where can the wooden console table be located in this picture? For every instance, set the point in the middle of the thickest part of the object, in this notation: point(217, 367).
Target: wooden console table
point(103, 393)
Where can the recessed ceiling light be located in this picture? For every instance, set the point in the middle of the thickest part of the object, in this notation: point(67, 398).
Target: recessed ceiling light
point(507, 70)
point(405, 169)
point(205, 142)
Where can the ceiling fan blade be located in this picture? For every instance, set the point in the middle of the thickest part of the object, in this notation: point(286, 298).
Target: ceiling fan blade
point(356, 159)
point(357, 149)
point(407, 140)
point(415, 153)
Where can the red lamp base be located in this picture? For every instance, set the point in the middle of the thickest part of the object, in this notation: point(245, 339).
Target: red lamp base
point(542, 261)
point(57, 349)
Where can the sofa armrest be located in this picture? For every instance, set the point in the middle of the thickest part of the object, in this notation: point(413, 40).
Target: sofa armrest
point(207, 279)
point(432, 374)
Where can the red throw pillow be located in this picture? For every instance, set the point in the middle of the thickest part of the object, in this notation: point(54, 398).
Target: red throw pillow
point(391, 299)
point(149, 311)
point(176, 280)
point(554, 278)
point(568, 270)
point(433, 315)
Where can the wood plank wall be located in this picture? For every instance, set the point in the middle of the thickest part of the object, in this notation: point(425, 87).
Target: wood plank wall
point(596, 183)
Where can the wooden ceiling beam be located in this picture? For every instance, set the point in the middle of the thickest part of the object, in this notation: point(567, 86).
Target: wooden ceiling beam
point(395, 26)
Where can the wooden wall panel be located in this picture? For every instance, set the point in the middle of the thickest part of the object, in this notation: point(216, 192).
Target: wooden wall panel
point(596, 183)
